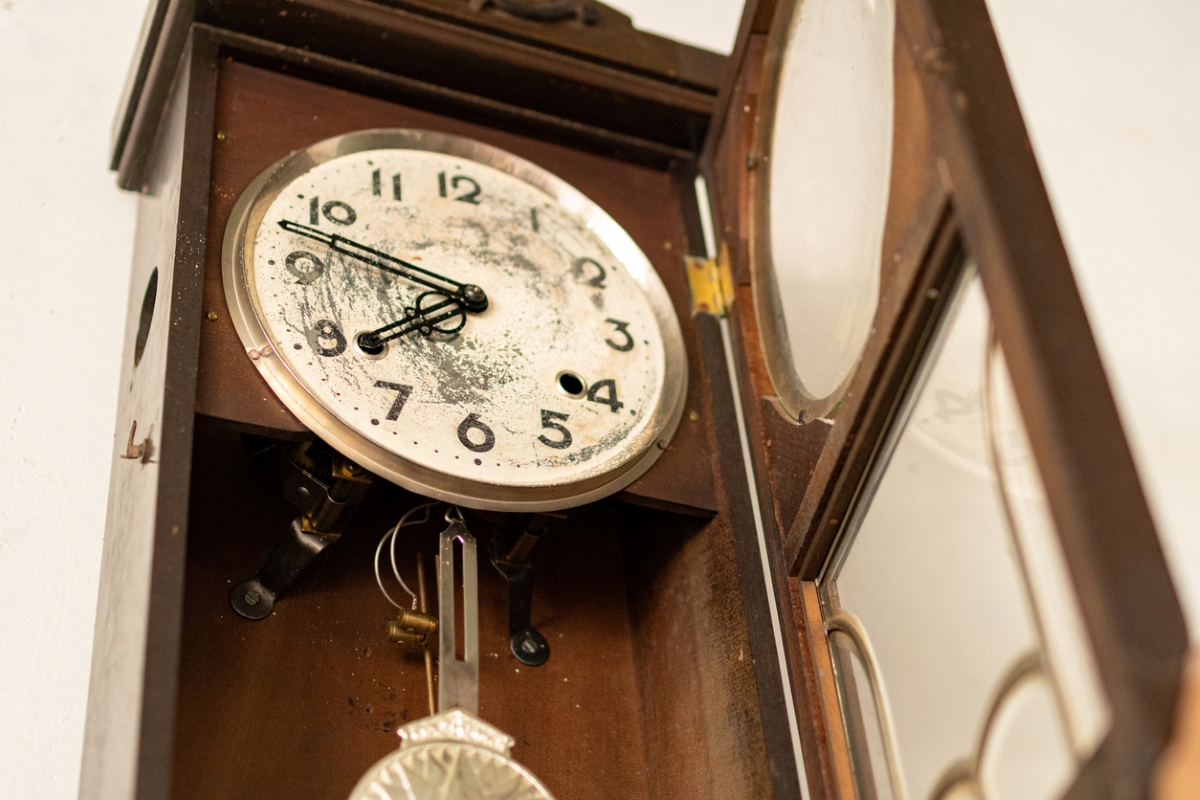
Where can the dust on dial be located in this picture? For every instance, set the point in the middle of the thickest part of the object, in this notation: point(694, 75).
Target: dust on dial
point(455, 319)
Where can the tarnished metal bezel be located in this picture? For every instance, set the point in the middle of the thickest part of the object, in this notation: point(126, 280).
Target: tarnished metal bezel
point(238, 251)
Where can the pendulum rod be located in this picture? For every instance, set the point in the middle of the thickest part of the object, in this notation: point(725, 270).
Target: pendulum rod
point(424, 607)
point(458, 679)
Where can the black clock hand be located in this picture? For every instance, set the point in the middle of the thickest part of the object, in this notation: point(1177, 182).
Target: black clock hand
point(444, 317)
point(468, 295)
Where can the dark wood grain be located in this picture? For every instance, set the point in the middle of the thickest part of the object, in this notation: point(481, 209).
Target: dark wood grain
point(131, 702)
point(740, 76)
point(699, 697)
point(302, 703)
point(917, 216)
point(631, 84)
point(167, 29)
point(262, 116)
point(610, 39)
point(477, 62)
point(835, 778)
point(760, 597)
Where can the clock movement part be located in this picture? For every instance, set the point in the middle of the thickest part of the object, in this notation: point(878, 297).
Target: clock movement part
point(512, 561)
point(453, 755)
point(324, 486)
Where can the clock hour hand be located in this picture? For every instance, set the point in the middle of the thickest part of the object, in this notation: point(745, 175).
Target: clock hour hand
point(469, 296)
point(428, 316)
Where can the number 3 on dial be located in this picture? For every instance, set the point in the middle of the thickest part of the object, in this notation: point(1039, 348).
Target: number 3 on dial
point(623, 329)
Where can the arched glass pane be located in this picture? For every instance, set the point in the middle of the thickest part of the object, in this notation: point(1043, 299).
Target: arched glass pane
point(830, 166)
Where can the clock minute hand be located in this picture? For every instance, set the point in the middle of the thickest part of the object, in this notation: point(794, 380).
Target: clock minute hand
point(471, 297)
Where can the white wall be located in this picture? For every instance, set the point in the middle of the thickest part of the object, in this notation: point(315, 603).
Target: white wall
point(1110, 95)
point(65, 245)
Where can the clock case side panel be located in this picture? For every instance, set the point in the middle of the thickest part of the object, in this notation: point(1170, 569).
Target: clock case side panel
point(783, 454)
point(131, 699)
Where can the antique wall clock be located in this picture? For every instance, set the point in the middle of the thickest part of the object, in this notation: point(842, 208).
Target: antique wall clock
point(744, 345)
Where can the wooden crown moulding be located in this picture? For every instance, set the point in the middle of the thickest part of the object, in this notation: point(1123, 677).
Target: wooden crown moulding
point(648, 98)
point(964, 182)
point(605, 36)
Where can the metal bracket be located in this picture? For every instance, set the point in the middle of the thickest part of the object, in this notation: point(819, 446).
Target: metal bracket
point(141, 451)
point(254, 599)
point(458, 679)
point(323, 505)
point(711, 283)
point(527, 645)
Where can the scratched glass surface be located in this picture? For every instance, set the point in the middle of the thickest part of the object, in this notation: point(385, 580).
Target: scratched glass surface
point(830, 169)
point(487, 402)
point(951, 595)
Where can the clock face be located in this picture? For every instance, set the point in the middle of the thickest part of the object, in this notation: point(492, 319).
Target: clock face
point(455, 319)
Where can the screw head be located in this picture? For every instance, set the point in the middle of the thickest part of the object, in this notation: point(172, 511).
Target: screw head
point(252, 598)
point(474, 297)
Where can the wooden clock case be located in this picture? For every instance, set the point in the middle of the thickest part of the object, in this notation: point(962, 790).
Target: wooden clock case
point(688, 652)
point(663, 678)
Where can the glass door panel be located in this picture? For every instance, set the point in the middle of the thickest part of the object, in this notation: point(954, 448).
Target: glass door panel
point(947, 601)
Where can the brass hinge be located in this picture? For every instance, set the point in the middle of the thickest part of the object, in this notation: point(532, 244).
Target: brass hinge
point(711, 283)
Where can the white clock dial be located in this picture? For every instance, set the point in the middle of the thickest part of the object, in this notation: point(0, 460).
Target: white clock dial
point(455, 319)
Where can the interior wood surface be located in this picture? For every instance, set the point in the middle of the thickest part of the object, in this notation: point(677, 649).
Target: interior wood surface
point(650, 689)
point(302, 703)
point(262, 116)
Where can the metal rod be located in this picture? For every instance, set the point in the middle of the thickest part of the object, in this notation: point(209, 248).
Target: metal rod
point(458, 680)
point(847, 624)
point(519, 553)
point(424, 610)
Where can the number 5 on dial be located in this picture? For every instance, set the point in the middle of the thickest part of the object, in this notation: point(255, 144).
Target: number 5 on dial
point(551, 420)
